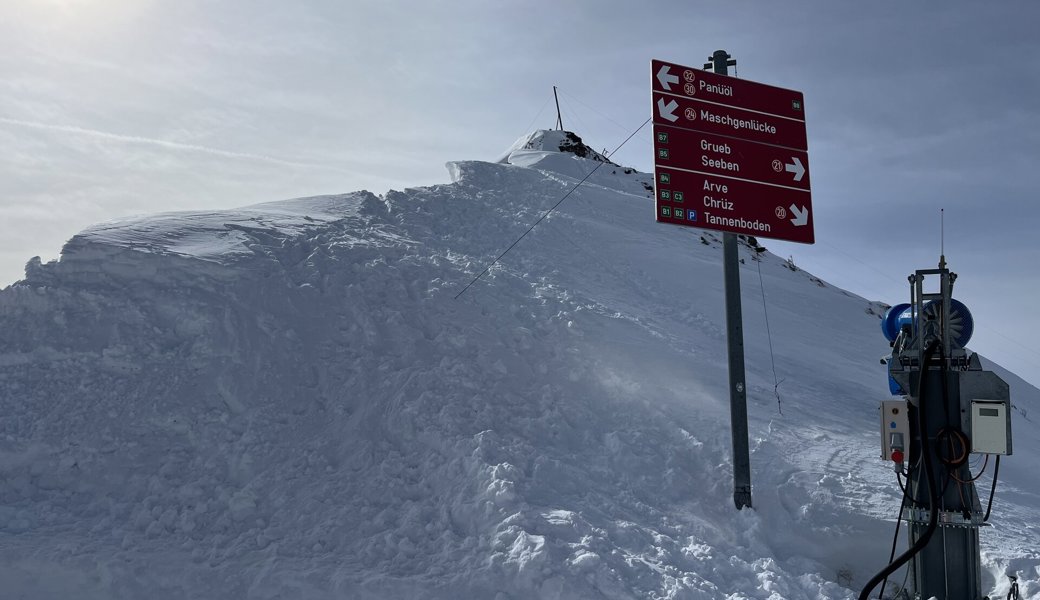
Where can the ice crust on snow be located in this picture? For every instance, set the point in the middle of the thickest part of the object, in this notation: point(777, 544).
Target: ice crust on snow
point(286, 401)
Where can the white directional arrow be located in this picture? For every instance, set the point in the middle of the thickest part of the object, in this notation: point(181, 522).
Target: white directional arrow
point(797, 168)
point(666, 111)
point(801, 216)
point(665, 77)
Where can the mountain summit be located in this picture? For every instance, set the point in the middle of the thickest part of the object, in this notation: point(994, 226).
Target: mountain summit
point(551, 141)
point(287, 400)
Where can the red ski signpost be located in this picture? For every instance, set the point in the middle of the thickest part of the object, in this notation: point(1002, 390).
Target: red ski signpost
point(730, 154)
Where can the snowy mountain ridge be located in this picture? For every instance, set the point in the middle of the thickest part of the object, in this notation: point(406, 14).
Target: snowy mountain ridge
point(286, 401)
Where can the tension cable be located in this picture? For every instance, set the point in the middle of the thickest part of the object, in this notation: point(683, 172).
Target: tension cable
point(769, 336)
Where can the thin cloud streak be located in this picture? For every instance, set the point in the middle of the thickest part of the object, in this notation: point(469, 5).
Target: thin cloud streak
point(133, 139)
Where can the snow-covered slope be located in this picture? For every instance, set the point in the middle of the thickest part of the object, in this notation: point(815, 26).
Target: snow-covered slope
point(288, 401)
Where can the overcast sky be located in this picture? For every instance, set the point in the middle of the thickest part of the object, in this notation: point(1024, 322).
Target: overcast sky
point(116, 107)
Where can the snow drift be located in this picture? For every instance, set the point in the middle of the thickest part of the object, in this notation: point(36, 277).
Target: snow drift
point(287, 401)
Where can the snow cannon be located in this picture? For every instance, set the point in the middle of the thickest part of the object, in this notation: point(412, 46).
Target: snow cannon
point(901, 316)
point(960, 322)
point(951, 412)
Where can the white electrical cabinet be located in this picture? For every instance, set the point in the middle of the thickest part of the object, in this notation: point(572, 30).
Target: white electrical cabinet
point(895, 431)
point(990, 423)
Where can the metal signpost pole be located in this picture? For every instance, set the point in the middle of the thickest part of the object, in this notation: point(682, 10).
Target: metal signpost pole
point(735, 344)
point(737, 390)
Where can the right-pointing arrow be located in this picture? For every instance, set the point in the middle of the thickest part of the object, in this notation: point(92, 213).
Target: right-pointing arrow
point(666, 78)
point(797, 168)
point(801, 216)
point(666, 109)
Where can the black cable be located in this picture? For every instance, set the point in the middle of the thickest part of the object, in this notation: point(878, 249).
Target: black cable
point(540, 219)
point(989, 505)
point(895, 536)
point(951, 464)
point(933, 501)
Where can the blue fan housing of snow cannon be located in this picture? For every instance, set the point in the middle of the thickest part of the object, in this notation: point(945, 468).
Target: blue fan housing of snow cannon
point(961, 323)
point(891, 323)
point(961, 327)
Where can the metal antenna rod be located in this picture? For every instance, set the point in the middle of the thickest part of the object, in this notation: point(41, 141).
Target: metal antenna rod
point(942, 240)
point(559, 117)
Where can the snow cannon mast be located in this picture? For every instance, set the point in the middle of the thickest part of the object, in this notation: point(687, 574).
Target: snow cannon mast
point(949, 409)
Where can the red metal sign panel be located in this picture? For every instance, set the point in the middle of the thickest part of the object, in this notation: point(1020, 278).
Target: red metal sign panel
point(722, 89)
point(730, 154)
point(735, 158)
point(719, 203)
point(691, 113)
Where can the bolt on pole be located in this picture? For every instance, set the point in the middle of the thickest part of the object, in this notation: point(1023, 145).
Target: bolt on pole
point(720, 63)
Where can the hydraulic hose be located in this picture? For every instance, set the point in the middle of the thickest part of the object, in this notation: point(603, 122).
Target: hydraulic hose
point(933, 500)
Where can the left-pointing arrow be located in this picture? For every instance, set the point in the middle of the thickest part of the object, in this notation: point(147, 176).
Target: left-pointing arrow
point(667, 112)
point(666, 78)
point(797, 168)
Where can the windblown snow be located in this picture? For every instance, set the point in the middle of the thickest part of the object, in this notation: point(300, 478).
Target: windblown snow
point(288, 401)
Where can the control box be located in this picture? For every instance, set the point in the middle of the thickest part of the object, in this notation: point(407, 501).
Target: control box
point(895, 431)
point(990, 427)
